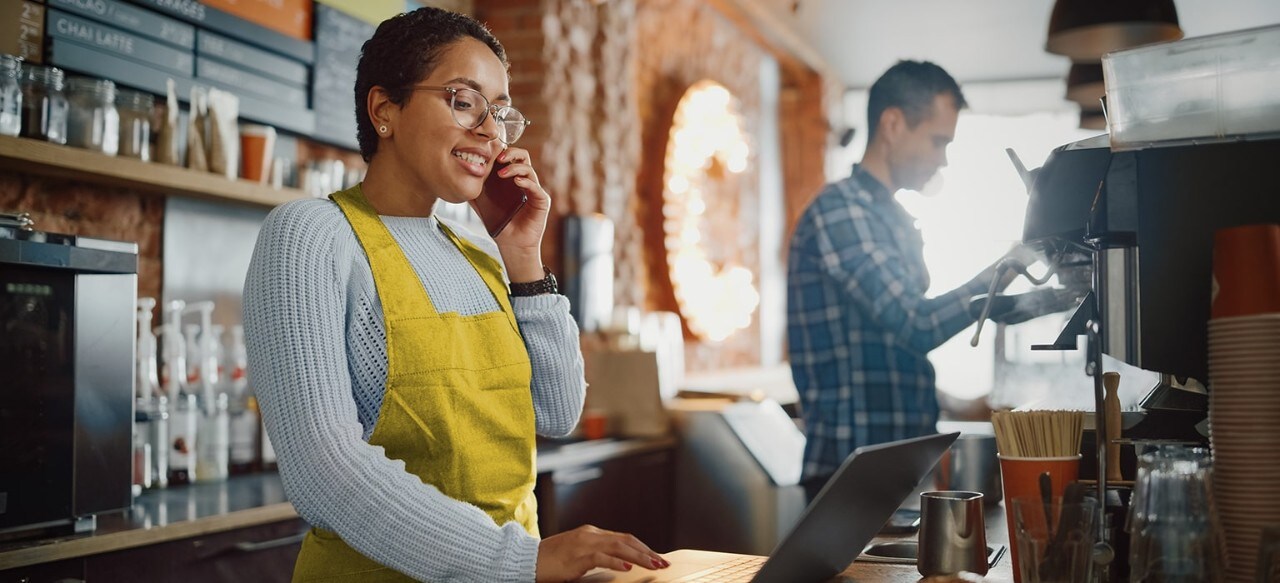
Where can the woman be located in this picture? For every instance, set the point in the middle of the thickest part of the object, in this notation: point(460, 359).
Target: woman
point(401, 379)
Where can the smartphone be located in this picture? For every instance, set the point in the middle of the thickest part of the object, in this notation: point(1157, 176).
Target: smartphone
point(500, 200)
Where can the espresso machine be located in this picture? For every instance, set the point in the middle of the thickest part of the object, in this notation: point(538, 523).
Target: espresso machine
point(1136, 227)
point(66, 400)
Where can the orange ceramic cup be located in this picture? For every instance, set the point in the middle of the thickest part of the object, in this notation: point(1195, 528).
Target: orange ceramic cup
point(594, 424)
point(1020, 477)
point(1246, 271)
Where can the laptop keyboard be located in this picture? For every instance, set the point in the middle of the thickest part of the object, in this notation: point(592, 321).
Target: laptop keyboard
point(741, 569)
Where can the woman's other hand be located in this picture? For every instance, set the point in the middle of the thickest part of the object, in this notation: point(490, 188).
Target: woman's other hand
point(569, 555)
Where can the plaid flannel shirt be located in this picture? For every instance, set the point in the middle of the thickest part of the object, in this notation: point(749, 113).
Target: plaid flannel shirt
point(858, 323)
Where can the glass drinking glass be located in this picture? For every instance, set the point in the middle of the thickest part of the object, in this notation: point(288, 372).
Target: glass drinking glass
point(1175, 535)
point(1055, 539)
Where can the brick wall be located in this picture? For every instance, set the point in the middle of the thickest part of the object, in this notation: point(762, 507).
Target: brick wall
point(606, 77)
point(78, 208)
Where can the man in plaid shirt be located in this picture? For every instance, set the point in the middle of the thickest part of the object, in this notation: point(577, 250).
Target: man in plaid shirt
point(859, 325)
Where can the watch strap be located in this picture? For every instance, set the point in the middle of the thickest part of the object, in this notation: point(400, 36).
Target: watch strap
point(546, 285)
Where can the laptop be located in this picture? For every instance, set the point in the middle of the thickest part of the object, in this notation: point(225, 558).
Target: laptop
point(845, 515)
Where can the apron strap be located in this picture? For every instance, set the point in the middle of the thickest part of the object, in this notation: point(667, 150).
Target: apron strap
point(386, 259)
point(490, 271)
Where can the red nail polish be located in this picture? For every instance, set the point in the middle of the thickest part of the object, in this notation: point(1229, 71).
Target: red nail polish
point(626, 566)
point(656, 563)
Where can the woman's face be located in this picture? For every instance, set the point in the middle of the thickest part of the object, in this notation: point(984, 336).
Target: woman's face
point(446, 160)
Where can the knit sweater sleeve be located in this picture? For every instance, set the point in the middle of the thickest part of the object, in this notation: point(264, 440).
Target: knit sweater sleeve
point(294, 314)
point(551, 338)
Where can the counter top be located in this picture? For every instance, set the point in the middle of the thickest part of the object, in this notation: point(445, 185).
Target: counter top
point(163, 515)
point(242, 501)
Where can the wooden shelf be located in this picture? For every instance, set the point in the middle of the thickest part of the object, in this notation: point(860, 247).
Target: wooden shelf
point(37, 157)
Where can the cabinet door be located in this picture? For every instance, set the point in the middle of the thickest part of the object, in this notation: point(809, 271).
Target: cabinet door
point(263, 553)
point(631, 494)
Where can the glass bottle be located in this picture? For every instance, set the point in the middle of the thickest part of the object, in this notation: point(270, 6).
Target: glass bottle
point(146, 384)
point(142, 453)
point(10, 95)
point(191, 340)
point(213, 425)
point(94, 122)
point(244, 414)
point(159, 439)
point(44, 105)
point(136, 109)
point(183, 421)
point(213, 441)
point(183, 411)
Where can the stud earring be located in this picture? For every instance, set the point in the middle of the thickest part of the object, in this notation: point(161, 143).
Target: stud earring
point(382, 129)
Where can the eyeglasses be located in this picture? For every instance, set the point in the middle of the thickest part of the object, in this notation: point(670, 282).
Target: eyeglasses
point(470, 109)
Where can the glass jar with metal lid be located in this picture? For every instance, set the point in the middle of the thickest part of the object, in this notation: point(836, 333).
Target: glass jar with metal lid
point(44, 105)
point(10, 95)
point(136, 109)
point(94, 122)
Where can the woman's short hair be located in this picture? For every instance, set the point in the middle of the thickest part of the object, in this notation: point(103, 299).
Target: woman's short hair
point(402, 52)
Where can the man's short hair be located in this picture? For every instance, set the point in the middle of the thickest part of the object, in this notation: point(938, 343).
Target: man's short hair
point(910, 86)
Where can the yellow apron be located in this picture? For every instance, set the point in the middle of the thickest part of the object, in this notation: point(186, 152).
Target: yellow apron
point(457, 408)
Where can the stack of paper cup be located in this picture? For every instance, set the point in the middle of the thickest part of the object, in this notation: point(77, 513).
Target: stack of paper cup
point(1244, 381)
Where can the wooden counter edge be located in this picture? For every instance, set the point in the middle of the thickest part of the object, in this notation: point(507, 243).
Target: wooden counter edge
point(97, 544)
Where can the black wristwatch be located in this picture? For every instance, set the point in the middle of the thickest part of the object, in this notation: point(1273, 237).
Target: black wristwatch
point(546, 285)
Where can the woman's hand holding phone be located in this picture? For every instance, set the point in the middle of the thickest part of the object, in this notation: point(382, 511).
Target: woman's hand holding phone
point(500, 201)
point(520, 241)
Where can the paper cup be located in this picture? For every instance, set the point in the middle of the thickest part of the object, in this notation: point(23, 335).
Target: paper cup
point(1246, 270)
point(257, 147)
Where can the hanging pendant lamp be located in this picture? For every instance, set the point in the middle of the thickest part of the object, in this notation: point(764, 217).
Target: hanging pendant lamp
point(1084, 30)
point(1084, 84)
point(1092, 119)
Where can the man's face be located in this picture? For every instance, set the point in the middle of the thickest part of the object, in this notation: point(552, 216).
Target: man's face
point(916, 153)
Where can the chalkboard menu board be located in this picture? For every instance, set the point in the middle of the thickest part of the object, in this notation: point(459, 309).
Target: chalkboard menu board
point(134, 19)
point(244, 56)
point(113, 40)
point(304, 87)
point(338, 39)
point(214, 19)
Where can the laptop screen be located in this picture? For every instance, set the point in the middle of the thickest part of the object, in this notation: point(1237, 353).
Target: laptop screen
point(852, 507)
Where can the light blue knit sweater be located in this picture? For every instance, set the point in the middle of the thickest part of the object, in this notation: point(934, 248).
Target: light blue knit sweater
point(318, 361)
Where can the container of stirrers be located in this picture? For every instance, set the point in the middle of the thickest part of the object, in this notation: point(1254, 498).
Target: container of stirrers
point(1039, 455)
